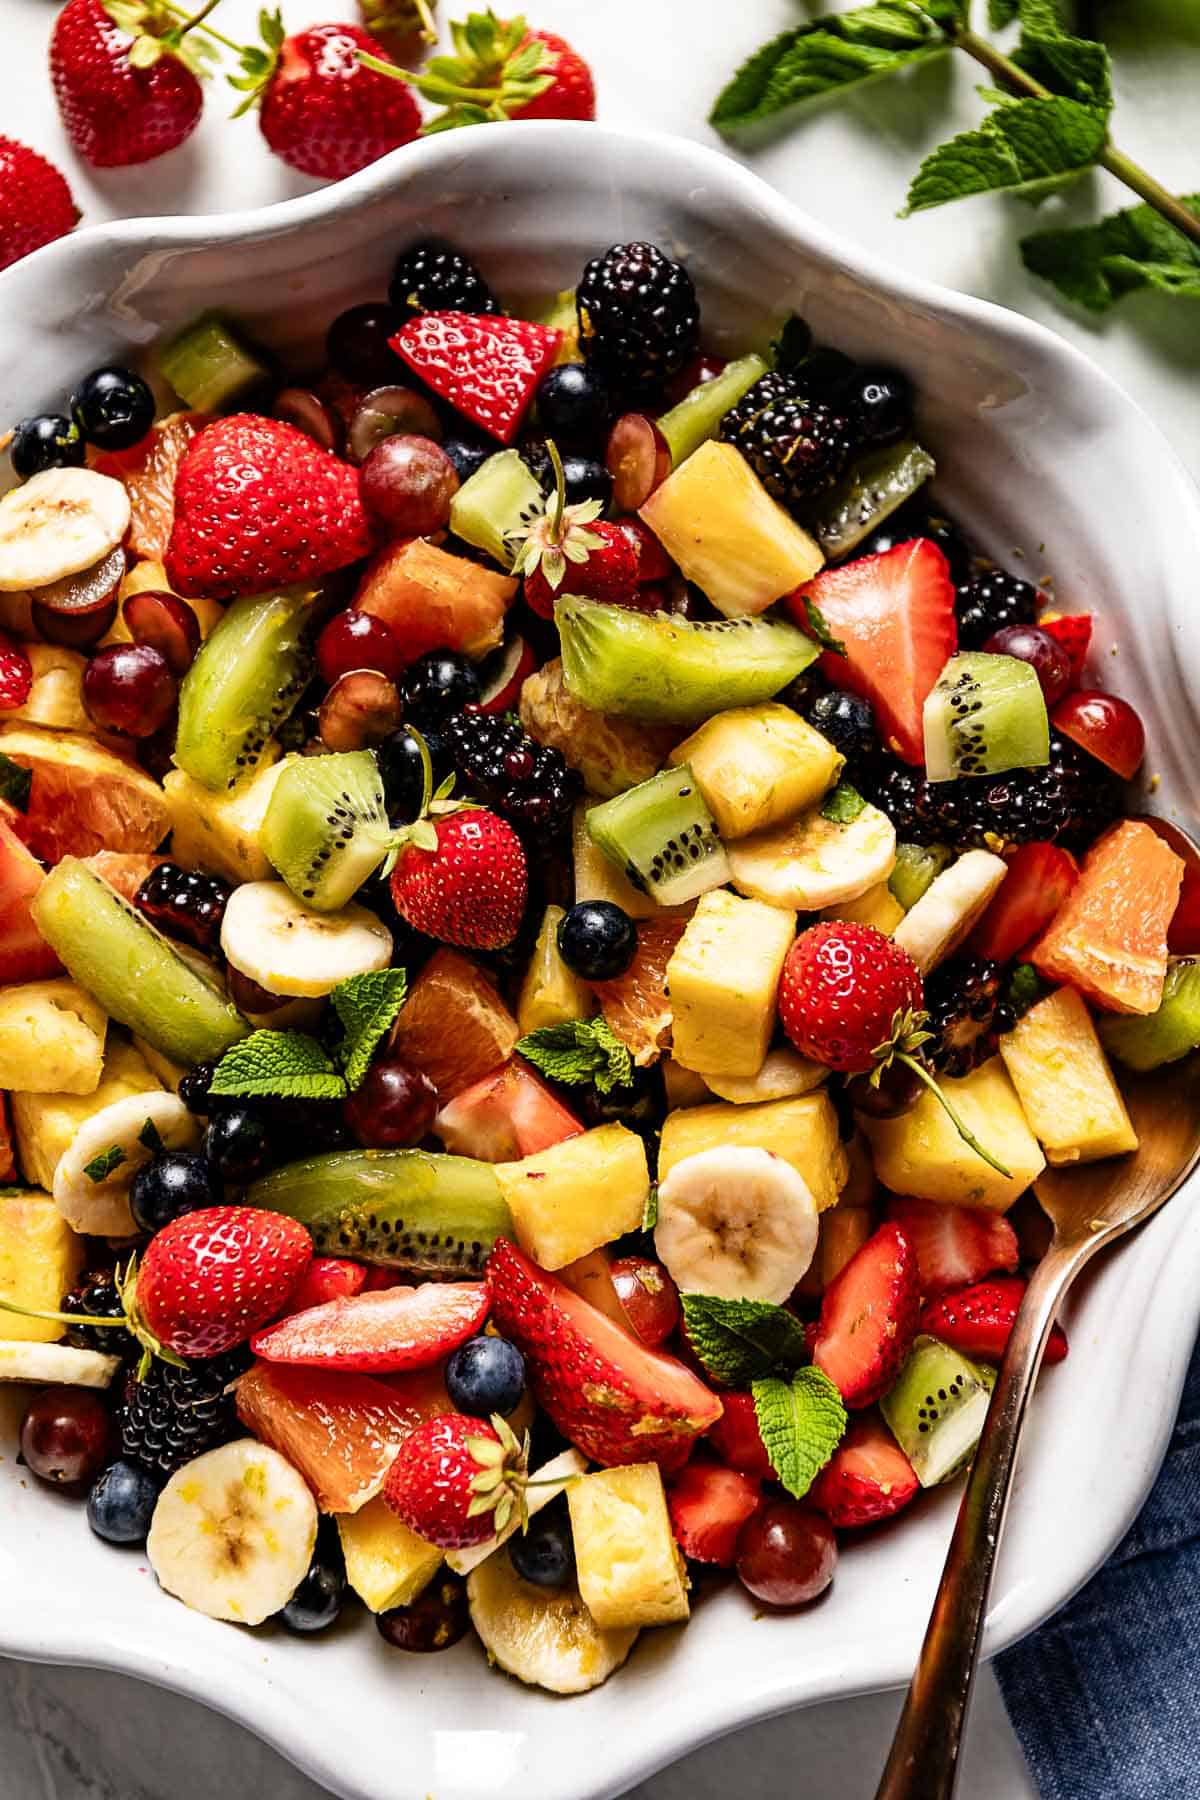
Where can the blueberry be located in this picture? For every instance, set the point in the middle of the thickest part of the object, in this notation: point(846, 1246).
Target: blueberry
point(194, 1086)
point(238, 1145)
point(572, 404)
point(583, 477)
point(597, 940)
point(317, 1602)
point(113, 408)
point(466, 455)
point(846, 720)
point(439, 683)
point(401, 769)
point(882, 402)
point(121, 1503)
point(46, 441)
point(545, 1554)
point(485, 1375)
point(172, 1183)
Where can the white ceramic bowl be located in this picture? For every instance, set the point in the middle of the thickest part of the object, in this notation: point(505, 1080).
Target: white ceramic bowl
point(1038, 450)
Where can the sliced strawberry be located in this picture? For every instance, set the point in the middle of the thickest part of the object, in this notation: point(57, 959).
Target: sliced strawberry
point(1074, 632)
point(486, 366)
point(328, 1278)
point(8, 1166)
point(978, 1320)
point(1040, 876)
point(617, 1400)
point(953, 1245)
point(869, 1317)
point(868, 1478)
point(894, 613)
point(379, 1279)
point(398, 1328)
point(737, 1440)
point(709, 1505)
point(509, 1114)
point(24, 953)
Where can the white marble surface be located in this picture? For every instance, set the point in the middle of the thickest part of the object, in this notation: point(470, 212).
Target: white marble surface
point(69, 1734)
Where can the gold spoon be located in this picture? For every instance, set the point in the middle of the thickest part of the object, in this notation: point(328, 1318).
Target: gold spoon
point(1090, 1205)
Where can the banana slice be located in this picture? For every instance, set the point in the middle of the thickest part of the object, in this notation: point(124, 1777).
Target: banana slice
point(736, 1222)
point(57, 1363)
point(785, 1075)
point(949, 908)
point(555, 1471)
point(546, 1637)
point(113, 1144)
point(59, 522)
point(233, 1533)
point(814, 861)
point(289, 949)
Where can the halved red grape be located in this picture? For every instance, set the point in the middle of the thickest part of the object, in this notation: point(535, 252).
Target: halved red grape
point(66, 1435)
point(1105, 726)
point(129, 688)
point(1030, 644)
point(391, 412)
point(360, 709)
point(695, 372)
point(165, 622)
point(302, 408)
point(73, 630)
point(649, 1297)
point(89, 590)
point(638, 460)
point(394, 1107)
point(503, 675)
point(358, 640)
point(248, 996)
point(407, 484)
point(786, 1554)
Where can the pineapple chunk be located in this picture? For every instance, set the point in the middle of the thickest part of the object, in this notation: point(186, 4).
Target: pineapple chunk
point(611, 752)
point(804, 1131)
point(386, 1564)
point(718, 522)
point(597, 877)
point(168, 1072)
point(878, 907)
point(921, 1153)
point(51, 1038)
point(1063, 1081)
point(577, 1195)
point(723, 978)
point(40, 1261)
point(45, 1124)
point(219, 832)
point(758, 766)
point(783, 1075)
point(629, 1567)
point(56, 697)
point(551, 994)
point(683, 1087)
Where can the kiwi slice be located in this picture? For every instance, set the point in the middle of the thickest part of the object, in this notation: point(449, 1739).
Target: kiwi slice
point(136, 974)
point(662, 835)
point(326, 827)
point(1163, 1036)
point(494, 506)
point(917, 867)
point(936, 1410)
point(668, 670)
point(698, 414)
point(406, 1209)
point(985, 714)
point(868, 494)
point(247, 677)
point(208, 365)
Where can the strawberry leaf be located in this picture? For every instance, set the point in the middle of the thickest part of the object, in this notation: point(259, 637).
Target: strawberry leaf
point(584, 1051)
point(285, 1064)
point(801, 1423)
point(740, 1340)
point(367, 1006)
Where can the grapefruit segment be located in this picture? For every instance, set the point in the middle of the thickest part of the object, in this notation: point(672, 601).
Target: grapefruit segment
point(635, 1004)
point(508, 1115)
point(1109, 939)
point(84, 797)
point(24, 953)
point(148, 470)
point(454, 1026)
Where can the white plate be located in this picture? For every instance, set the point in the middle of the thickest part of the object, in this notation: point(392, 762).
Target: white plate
point(1039, 451)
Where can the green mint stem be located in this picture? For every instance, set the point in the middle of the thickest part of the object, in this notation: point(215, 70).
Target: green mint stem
point(60, 1318)
point(968, 1137)
point(1112, 159)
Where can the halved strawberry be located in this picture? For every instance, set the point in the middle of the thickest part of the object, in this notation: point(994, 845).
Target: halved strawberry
point(869, 1317)
point(398, 1328)
point(1040, 876)
point(867, 1479)
point(894, 613)
point(1074, 632)
point(617, 1400)
point(328, 1278)
point(953, 1245)
point(709, 1505)
point(737, 1440)
point(509, 1114)
point(485, 365)
point(978, 1320)
point(24, 953)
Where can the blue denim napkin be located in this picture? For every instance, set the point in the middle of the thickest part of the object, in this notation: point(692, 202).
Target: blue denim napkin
point(1106, 1698)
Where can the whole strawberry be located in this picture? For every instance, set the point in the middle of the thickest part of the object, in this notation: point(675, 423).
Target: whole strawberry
point(463, 878)
point(457, 1481)
point(843, 987)
point(212, 1278)
point(503, 70)
point(125, 89)
point(258, 504)
point(35, 202)
point(571, 550)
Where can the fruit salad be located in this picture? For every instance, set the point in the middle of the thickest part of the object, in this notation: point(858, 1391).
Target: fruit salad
point(555, 908)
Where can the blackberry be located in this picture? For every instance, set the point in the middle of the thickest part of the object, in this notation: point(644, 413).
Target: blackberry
point(525, 782)
point(988, 602)
point(95, 1293)
point(964, 998)
point(184, 904)
point(639, 320)
point(919, 809)
point(172, 1414)
point(796, 446)
point(434, 277)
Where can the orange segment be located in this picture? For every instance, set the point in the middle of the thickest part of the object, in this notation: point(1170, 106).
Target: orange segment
point(454, 1026)
point(148, 470)
point(1109, 938)
point(122, 870)
point(636, 1004)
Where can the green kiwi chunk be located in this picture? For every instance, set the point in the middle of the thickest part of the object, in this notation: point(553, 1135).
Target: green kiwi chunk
point(917, 867)
point(247, 677)
point(136, 974)
point(494, 507)
point(694, 420)
point(208, 364)
point(672, 671)
point(985, 714)
point(1163, 1036)
point(663, 837)
point(405, 1209)
point(936, 1410)
point(326, 827)
point(868, 494)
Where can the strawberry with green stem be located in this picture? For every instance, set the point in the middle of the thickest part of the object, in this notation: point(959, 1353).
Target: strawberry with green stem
point(459, 1481)
point(125, 76)
point(601, 558)
point(501, 70)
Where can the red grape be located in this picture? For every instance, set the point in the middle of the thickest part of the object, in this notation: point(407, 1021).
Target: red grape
point(78, 610)
point(1047, 658)
point(1107, 728)
point(249, 997)
point(301, 408)
point(433, 1621)
point(407, 484)
point(129, 688)
point(649, 1297)
point(638, 460)
point(66, 1435)
point(391, 412)
point(653, 562)
point(695, 372)
point(358, 640)
point(357, 343)
point(360, 709)
point(394, 1107)
point(73, 630)
point(786, 1554)
point(165, 622)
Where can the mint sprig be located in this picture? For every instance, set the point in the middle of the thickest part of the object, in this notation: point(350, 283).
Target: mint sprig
point(1024, 147)
point(291, 1065)
point(739, 1341)
point(1096, 265)
point(367, 1006)
point(579, 1053)
point(801, 1422)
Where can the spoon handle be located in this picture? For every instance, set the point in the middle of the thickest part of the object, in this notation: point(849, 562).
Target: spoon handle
point(923, 1763)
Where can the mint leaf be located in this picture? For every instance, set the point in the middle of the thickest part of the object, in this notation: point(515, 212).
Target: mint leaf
point(740, 1340)
point(1001, 13)
point(801, 1423)
point(820, 630)
point(1024, 988)
point(1029, 146)
point(102, 1166)
point(1095, 265)
point(367, 1006)
point(150, 1138)
point(843, 805)
point(1073, 66)
point(15, 783)
point(650, 1210)
point(285, 1064)
point(579, 1052)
